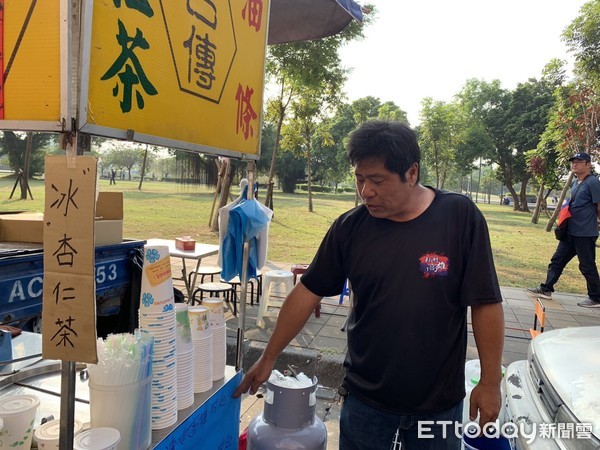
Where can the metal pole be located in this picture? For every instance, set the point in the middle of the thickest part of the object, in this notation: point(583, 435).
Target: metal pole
point(244, 278)
point(242, 306)
point(67, 405)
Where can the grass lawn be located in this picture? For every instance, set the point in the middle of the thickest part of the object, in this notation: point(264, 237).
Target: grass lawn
point(522, 250)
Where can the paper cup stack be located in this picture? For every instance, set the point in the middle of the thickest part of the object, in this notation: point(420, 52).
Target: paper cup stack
point(157, 317)
point(203, 343)
point(216, 318)
point(185, 358)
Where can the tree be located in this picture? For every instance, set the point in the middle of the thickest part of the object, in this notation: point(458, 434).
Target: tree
point(124, 157)
point(365, 108)
point(14, 146)
point(391, 111)
point(582, 38)
point(310, 66)
point(514, 122)
point(439, 136)
point(330, 158)
point(290, 170)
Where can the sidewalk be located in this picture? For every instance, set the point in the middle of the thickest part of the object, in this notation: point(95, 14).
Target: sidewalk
point(320, 347)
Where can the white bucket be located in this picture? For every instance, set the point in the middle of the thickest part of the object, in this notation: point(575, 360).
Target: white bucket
point(126, 408)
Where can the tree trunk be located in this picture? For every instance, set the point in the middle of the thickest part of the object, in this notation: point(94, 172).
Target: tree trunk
point(220, 175)
point(25, 175)
point(436, 165)
point(269, 193)
point(225, 187)
point(514, 195)
point(143, 169)
point(523, 197)
point(309, 176)
point(538, 205)
point(478, 183)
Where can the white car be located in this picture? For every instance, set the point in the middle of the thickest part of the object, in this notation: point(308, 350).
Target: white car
point(553, 399)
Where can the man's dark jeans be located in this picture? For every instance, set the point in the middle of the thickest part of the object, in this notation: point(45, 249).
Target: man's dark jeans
point(585, 249)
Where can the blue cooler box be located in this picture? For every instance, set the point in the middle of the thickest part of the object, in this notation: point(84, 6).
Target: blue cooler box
point(118, 274)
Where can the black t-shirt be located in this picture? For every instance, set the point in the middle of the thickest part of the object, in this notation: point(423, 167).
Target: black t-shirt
point(412, 281)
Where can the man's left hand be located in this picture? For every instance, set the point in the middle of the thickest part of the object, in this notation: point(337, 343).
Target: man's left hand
point(487, 400)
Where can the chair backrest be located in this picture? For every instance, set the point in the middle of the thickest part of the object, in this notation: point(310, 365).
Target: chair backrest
point(345, 291)
point(540, 316)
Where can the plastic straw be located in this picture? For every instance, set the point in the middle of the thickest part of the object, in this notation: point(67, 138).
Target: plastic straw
point(122, 359)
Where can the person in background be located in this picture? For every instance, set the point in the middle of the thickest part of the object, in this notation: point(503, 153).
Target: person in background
point(417, 258)
point(112, 176)
point(582, 233)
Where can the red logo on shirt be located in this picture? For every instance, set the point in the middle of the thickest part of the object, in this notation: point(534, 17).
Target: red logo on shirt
point(433, 265)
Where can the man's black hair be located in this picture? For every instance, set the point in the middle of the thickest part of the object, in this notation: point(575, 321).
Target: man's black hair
point(393, 143)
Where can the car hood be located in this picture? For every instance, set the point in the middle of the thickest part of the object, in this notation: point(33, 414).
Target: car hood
point(570, 359)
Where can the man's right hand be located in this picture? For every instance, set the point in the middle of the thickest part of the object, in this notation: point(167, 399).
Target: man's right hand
point(257, 375)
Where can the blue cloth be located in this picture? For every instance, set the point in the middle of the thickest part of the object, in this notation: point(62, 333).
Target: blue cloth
point(246, 221)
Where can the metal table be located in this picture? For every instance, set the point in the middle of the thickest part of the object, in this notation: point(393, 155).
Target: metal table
point(201, 251)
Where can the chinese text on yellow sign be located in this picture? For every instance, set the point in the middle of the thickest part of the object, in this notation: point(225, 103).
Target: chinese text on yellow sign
point(188, 71)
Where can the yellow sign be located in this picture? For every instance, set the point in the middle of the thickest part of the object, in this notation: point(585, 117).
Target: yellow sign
point(178, 73)
point(30, 61)
point(69, 308)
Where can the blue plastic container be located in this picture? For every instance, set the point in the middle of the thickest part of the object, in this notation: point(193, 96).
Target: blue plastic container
point(486, 443)
point(22, 277)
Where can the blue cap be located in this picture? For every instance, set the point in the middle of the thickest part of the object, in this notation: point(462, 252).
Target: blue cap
point(582, 156)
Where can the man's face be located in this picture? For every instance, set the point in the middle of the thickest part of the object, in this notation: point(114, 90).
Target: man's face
point(580, 167)
point(384, 194)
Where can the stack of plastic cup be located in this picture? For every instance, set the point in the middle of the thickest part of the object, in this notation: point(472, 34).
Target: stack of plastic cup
point(18, 413)
point(157, 317)
point(185, 358)
point(203, 344)
point(216, 318)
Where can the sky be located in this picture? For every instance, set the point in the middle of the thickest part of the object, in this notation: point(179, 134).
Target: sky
point(430, 48)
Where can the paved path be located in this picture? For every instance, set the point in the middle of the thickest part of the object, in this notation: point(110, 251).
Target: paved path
point(320, 347)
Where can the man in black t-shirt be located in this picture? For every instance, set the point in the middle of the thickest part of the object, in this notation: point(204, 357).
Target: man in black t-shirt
point(416, 258)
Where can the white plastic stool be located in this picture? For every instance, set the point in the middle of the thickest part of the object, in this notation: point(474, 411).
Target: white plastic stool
point(270, 279)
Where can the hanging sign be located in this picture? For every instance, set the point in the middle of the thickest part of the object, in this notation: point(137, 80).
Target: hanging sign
point(69, 305)
point(30, 83)
point(185, 74)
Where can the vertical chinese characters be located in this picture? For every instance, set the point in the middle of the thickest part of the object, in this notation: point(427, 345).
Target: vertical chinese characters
point(245, 113)
point(253, 13)
point(127, 67)
point(65, 202)
point(201, 50)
